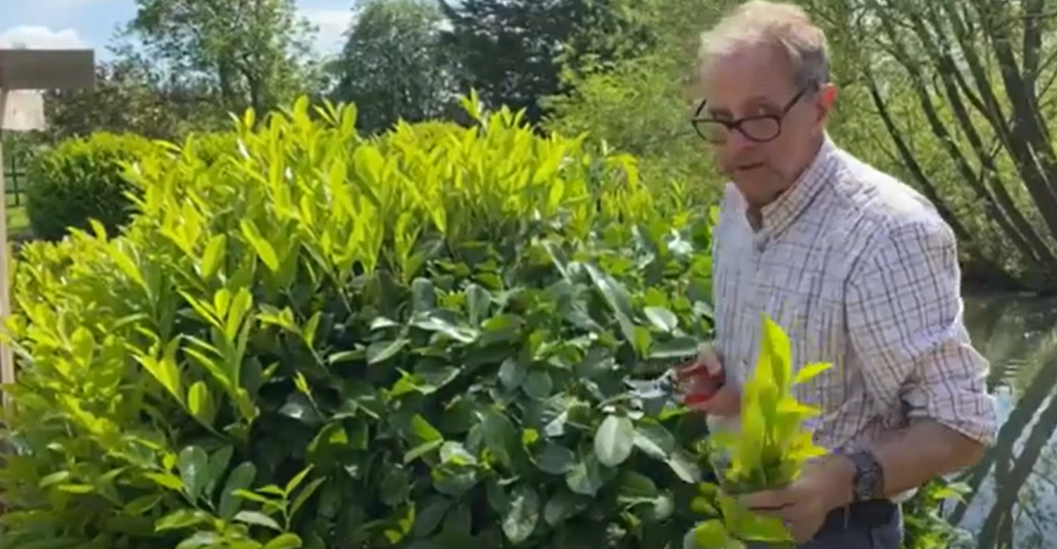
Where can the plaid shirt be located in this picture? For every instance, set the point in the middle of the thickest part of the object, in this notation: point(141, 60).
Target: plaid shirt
point(861, 272)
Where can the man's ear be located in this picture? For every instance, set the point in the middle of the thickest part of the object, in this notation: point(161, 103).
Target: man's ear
point(827, 96)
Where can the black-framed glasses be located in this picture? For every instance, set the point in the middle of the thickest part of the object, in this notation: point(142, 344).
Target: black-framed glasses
point(759, 128)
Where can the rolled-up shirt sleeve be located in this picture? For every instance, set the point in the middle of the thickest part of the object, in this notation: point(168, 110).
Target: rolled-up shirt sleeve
point(904, 314)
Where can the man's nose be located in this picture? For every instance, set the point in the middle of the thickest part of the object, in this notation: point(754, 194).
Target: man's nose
point(737, 143)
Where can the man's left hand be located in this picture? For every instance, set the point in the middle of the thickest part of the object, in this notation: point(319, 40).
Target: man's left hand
point(803, 505)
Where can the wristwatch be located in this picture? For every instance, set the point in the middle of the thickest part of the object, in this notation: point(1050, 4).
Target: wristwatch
point(868, 481)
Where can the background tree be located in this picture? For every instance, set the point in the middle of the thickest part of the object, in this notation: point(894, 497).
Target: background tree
point(963, 92)
point(129, 97)
point(393, 65)
point(640, 101)
point(249, 53)
point(512, 50)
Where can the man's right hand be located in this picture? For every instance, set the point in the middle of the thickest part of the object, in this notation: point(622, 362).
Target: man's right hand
point(698, 382)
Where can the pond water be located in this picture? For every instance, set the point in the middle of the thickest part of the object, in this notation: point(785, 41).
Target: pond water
point(1015, 502)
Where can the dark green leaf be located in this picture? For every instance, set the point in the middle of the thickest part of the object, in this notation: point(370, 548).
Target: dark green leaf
point(555, 459)
point(637, 485)
point(683, 465)
point(454, 480)
point(429, 517)
point(538, 384)
point(435, 376)
point(674, 349)
point(512, 373)
point(585, 478)
point(500, 328)
point(218, 465)
point(563, 506)
point(521, 518)
point(459, 520)
point(661, 318)
point(654, 440)
point(330, 436)
point(423, 297)
point(358, 434)
point(241, 478)
point(500, 436)
point(614, 440)
point(393, 489)
point(478, 303)
point(617, 298)
point(194, 469)
point(300, 408)
point(380, 351)
point(436, 322)
point(642, 340)
point(421, 450)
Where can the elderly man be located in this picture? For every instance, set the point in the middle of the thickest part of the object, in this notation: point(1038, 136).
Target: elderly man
point(858, 268)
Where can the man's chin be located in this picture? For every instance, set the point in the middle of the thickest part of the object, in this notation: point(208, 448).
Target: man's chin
point(754, 191)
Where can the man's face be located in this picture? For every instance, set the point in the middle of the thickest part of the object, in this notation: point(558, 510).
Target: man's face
point(754, 85)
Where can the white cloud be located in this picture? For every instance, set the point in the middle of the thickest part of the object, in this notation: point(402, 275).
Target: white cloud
point(331, 25)
point(37, 37)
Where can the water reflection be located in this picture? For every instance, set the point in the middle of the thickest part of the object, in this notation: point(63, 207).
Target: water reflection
point(1014, 505)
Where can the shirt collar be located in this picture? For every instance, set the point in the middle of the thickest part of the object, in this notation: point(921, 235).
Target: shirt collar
point(778, 215)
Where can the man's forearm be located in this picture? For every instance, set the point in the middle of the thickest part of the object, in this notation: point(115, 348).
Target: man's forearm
point(912, 457)
point(922, 452)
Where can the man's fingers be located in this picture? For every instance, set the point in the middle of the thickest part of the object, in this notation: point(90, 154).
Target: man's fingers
point(781, 504)
point(725, 402)
point(707, 361)
point(799, 525)
point(710, 359)
point(692, 370)
point(767, 501)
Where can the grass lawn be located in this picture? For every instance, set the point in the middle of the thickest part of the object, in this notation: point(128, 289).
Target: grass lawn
point(17, 222)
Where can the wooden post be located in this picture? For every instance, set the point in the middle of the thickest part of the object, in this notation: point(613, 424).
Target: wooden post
point(22, 70)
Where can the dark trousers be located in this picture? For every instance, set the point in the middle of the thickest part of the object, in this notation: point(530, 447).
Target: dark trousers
point(884, 535)
point(875, 525)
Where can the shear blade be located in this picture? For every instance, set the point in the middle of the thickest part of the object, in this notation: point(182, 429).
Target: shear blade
point(650, 388)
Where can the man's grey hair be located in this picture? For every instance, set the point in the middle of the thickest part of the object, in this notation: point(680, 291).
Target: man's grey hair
point(785, 26)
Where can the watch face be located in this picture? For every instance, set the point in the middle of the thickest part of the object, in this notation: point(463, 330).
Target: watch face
point(866, 484)
point(867, 477)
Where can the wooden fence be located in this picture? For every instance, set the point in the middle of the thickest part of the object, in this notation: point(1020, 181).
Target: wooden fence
point(14, 179)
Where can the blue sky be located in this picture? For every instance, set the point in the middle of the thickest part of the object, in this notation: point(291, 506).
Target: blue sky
point(91, 23)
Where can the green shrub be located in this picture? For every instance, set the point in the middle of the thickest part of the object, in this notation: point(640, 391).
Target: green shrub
point(310, 343)
point(211, 147)
point(81, 179)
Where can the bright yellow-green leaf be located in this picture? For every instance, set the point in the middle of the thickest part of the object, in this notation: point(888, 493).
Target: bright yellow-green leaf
point(712, 534)
point(773, 443)
point(200, 403)
point(810, 371)
point(212, 256)
point(302, 384)
point(284, 541)
point(264, 249)
point(423, 430)
point(168, 480)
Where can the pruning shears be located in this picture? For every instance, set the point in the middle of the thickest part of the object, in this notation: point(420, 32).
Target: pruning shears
point(664, 389)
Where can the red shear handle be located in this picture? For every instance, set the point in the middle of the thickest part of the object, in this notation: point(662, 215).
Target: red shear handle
point(701, 384)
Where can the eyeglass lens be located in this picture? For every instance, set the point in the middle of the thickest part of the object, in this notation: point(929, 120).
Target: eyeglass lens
point(762, 128)
point(756, 128)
